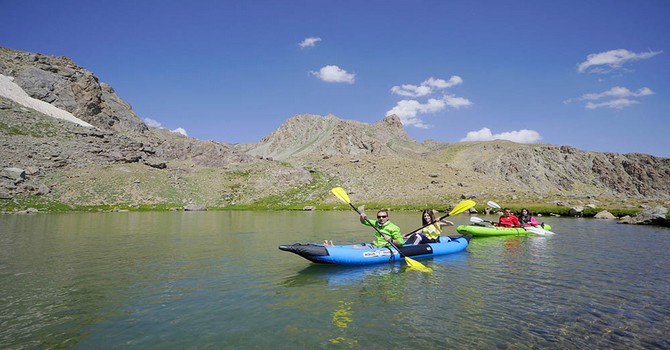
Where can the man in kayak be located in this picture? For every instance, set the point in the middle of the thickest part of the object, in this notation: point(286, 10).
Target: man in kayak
point(508, 219)
point(388, 229)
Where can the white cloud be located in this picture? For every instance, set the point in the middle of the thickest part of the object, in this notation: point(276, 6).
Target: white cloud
point(407, 110)
point(456, 102)
point(614, 59)
point(618, 91)
point(152, 123)
point(619, 103)
point(427, 87)
point(309, 42)
point(519, 136)
point(334, 74)
point(180, 131)
point(620, 97)
point(156, 124)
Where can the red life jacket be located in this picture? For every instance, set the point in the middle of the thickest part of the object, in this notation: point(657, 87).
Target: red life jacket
point(508, 221)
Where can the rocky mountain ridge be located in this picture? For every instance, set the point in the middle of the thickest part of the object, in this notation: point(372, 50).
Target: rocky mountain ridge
point(122, 161)
point(309, 135)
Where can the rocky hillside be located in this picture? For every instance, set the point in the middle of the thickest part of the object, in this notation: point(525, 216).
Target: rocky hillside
point(121, 161)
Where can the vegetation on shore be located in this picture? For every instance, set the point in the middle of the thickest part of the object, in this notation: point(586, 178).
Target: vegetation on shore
point(290, 202)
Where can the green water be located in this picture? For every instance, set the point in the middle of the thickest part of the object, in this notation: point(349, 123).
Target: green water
point(212, 280)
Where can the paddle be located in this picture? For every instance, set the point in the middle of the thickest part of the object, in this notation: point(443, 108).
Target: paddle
point(493, 204)
point(477, 220)
point(459, 208)
point(340, 193)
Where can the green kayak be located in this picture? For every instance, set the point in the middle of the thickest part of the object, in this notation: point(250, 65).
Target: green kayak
point(487, 231)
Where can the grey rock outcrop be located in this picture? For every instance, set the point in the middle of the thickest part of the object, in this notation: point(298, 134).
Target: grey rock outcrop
point(545, 167)
point(651, 216)
point(14, 174)
point(59, 81)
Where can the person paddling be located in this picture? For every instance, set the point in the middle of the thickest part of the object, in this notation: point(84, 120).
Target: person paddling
point(389, 231)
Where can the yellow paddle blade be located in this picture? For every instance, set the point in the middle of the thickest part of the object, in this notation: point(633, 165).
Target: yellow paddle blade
point(340, 193)
point(413, 264)
point(462, 206)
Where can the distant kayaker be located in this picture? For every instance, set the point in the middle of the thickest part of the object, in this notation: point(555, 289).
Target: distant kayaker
point(508, 219)
point(526, 219)
point(389, 231)
point(432, 230)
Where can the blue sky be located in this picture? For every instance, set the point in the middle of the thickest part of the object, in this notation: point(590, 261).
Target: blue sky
point(594, 75)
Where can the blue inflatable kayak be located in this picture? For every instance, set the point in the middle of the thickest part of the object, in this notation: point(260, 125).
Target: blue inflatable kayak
point(348, 255)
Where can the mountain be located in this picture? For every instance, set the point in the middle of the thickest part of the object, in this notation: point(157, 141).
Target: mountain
point(67, 138)
point(309, 135)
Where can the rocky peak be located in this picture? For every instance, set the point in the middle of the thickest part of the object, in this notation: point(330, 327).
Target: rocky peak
point(310, 135)
point(59, 81)
point(393, 122)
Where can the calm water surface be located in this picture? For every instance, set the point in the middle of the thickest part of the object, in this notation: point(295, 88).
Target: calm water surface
point(198, 280)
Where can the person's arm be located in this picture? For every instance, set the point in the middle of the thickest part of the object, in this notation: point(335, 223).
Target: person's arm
point(396, 236)
point(446, 223)
point(533, 221)
point(364, 219)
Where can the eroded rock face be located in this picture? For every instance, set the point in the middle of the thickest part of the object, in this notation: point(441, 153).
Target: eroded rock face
point(59, 81)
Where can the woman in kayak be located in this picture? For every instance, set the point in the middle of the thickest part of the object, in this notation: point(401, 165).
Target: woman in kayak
point(526, 219)
point(432, 230)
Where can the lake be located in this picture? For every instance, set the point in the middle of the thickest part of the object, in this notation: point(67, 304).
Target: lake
point(213, 280)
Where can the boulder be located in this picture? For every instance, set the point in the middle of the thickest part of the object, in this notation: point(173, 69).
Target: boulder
point(605, 215)
point(652, 216)
point(576, 211)
point(195, 207)
point(16, 174)
point(155, 163)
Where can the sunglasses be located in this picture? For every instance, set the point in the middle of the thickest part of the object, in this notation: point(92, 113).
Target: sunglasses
point(381, 216)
